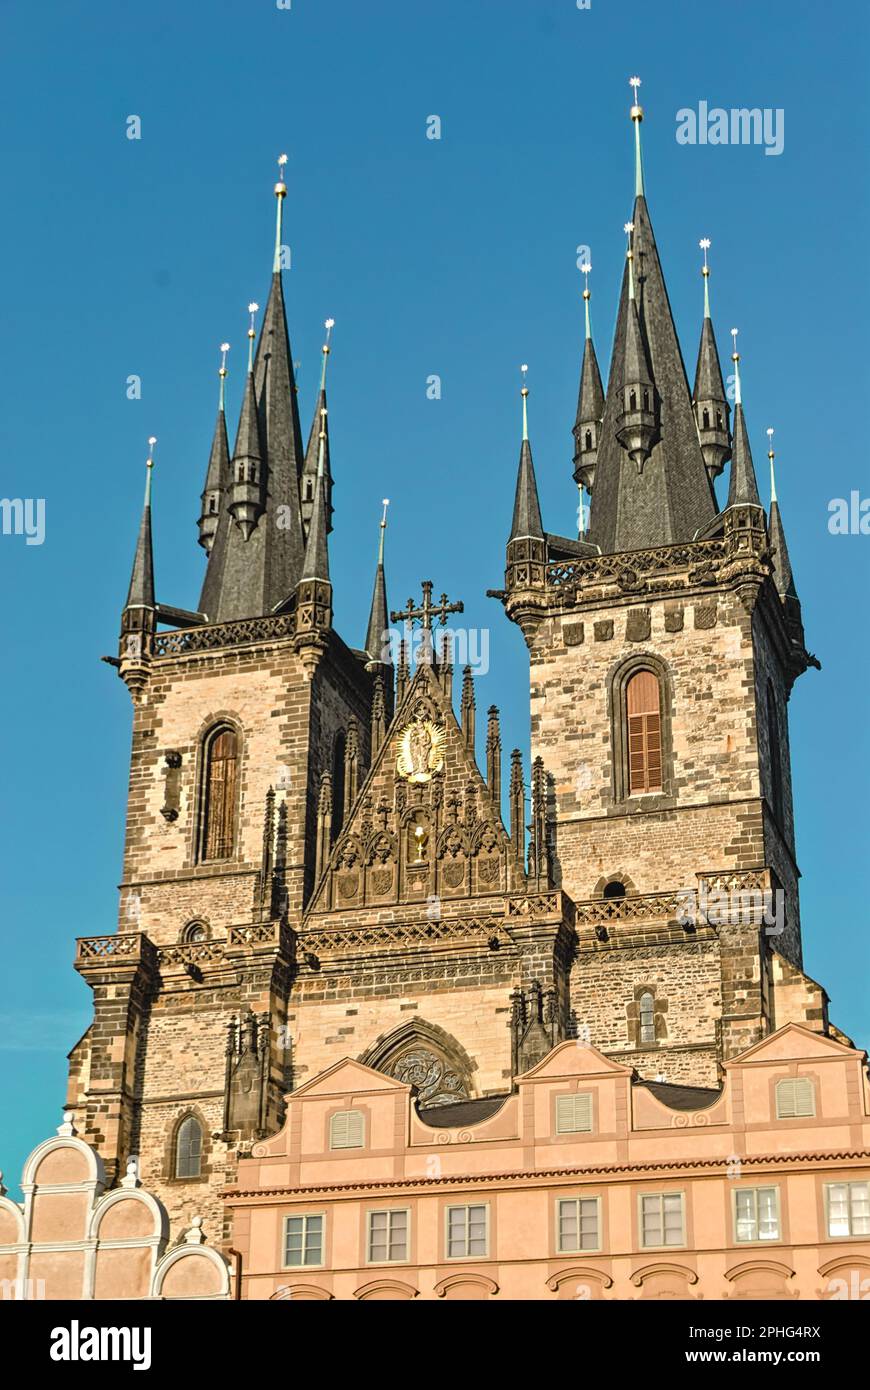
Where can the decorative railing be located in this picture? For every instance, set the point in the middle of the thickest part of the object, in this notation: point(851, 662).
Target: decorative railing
point(535, 905)
point(191, 953)
point(256, 934)
point(114, 947)
point(633, 567)
point(718, 898)
point(212, 636)
point(390, 934)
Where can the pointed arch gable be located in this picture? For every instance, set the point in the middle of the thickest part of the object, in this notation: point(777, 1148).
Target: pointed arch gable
point(425, 1056)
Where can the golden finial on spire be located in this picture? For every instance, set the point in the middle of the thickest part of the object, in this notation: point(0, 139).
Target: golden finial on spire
point(385, 504)
point(629, 255)
point(704, 244)
point(252, 333)
point(524, 392)
point(735, 358)
point(329, 325)
point(587, 295)
point(637, 117)
point(280, 194)
point(149, 464)
point(222, 370)
point(771, 455)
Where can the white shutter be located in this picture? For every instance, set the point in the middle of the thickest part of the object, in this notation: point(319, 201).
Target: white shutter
point(795, 1099)
point(574, 1114)
point(347, 1130)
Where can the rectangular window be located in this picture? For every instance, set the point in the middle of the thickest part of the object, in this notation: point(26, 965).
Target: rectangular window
point(303, 1240)
point(643, 715)
point(661, 1219)
point(756, 1213)
point(574, 1114)
point(848, 1205)
point(577, 1225)
point(388, 1236)
point(795, 1098)
point(467, 1232)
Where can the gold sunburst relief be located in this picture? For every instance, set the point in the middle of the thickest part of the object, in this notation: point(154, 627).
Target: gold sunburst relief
point(421, 750)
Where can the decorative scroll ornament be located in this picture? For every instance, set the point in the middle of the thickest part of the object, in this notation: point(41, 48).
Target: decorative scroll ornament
point(421, 750)
point(436, 1082)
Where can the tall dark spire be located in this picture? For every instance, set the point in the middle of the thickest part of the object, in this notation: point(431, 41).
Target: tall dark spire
point(218, 474)
point(590, 405)
point(312, 453)
point(379, 623)
point(708, 397)
point(527, 508)
point(250, 576)
point(140, 594)
point(246, 488)
point(743, 488)
point(671, 498)
point(316, 562)
point(637, 421)
point(783, 577)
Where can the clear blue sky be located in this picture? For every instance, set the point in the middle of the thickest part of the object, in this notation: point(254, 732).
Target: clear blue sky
point(454, 257)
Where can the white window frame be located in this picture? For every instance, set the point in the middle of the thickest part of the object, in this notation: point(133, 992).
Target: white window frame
point(793, 1082)
point(848, 1183)
point(389, 1212)
point(756, 1239)
point(466, 1206)
point(573, 1097)
point(338, 1114)
point(645, 1196)
point(579, 1249)
point(304, 1217)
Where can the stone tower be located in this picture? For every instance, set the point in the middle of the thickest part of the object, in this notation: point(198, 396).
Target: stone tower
point(664, 643)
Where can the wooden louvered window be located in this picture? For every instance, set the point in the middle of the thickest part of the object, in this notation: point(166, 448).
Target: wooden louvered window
point(574, 1113)
point(347, 1130)
point(795, 1099)
point(221, 772)
point(644, 722)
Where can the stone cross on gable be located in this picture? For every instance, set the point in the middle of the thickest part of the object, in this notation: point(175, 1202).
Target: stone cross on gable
point(427, 610)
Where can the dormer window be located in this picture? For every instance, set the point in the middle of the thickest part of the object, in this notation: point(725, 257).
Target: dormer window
point(347, 1130)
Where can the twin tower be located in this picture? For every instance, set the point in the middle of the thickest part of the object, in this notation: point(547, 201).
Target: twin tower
point(316, 867)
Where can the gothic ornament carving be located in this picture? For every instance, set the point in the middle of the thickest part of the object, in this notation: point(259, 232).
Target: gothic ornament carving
point(435, 1081)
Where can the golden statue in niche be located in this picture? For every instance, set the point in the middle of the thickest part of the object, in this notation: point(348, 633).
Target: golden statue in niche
point(421, 750)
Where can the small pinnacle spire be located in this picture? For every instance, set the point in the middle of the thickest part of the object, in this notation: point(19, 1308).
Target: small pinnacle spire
point(141, 591)
point(312, 453)
point(252, 333)
point(704, 244)
point(527, 508)
point(743, 488)
point(735, 358)
point(280, 195)
point(217, 474)
point(590, 407)
point(316, 564)
point(637, 118)
point(771, 455)
point(378, 628)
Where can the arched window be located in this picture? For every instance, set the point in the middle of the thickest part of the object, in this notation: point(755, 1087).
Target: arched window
point(632, 400)
point(614, 889)
point(775, 754)
point(188, 1148)
point(706, 419)
point(647, 1018)
point(194, 932)
point(644, 723)
point(217, 835)
point(588, 439)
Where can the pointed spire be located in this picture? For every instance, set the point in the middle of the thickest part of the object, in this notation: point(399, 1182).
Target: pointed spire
point(468, 708)
point(280, 195)
point(246, 488)
point(783, 577)
point(218, 474)
point(527, 508)
point(309, 467)
point(671, 499)
point(493, 755)
point(743, 488)
point(637, 419)
point(377, 634)
point(517, 806)
point(709, 398)
point(316, 563)
point(590, 406)
point(141, 591)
